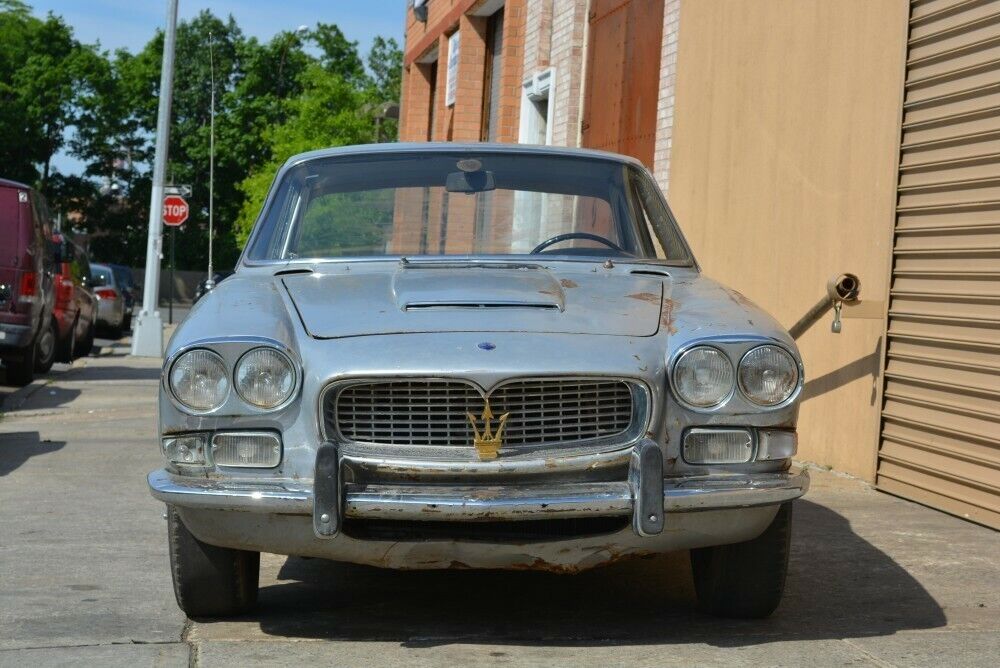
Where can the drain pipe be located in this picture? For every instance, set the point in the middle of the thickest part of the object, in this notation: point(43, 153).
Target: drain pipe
point(840, 290)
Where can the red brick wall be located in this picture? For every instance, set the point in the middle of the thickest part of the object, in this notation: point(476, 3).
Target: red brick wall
point(463, 121)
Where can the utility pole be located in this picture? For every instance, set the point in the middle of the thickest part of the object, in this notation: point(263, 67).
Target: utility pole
point(210, 283)
point(147, 338)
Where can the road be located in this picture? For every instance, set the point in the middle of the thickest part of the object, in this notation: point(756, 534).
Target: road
point(84, 575)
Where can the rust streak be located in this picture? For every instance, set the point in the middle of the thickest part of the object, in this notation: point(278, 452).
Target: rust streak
point(645, 297)
point(667, 315)
point(566, 283)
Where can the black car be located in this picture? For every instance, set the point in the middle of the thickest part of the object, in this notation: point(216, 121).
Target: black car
point(126, 283)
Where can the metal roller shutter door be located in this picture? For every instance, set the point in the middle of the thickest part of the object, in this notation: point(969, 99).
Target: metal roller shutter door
point(940, 442)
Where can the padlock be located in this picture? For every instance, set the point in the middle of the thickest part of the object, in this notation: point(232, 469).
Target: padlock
point(835, 327)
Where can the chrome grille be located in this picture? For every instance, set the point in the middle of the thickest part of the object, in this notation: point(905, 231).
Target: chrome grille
point(543, 412)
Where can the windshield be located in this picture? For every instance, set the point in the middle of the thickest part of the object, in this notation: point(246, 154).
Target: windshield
point(436, 203)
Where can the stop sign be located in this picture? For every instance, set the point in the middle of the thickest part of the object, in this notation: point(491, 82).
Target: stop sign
point(175, 210)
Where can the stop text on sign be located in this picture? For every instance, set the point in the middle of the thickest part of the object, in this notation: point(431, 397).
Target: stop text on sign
point(175, 210)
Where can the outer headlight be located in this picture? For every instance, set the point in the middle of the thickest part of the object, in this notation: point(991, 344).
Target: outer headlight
point(199, 380)
point(265, 378)
point(768, 375)
point(703, 377)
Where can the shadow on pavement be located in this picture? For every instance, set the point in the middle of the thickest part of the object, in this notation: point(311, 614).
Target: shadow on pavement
point(839, 586)
point(18, 447)
point(120, 373)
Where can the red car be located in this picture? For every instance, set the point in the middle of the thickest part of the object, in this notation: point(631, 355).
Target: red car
point(75, 311)
point(27, 330)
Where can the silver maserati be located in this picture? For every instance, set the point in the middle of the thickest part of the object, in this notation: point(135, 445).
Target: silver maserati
point(476, 356)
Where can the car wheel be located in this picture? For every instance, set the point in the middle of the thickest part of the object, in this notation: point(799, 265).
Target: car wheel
point(746, 579)
point(67, 348)
point(22, 372)
point(45, 353)
point(87, 345)
point(210, 581)
point(127, 323)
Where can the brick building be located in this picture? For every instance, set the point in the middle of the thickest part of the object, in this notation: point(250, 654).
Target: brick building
point(795, 140)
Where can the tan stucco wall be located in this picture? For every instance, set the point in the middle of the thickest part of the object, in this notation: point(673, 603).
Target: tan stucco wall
point(782, 173)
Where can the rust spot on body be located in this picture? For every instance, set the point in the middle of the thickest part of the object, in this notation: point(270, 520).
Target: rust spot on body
point(566, 283)
point(667, 315)
point(549, 292)
point(645, 297)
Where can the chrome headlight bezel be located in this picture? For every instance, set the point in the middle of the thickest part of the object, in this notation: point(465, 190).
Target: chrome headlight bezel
point(172, 390)
point(735, 347)
point(231, 349)
point(795, 366)
point(292, 368)
point(679, 357)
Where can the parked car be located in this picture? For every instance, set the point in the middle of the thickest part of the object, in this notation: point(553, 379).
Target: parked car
point(126, 282)
point(75, 309)
point(27, 295)
point(110, 299)
point(476, 356)
point(203, 289)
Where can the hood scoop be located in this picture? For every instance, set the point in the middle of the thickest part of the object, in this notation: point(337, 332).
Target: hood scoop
point(364, 299)
point(476, 287)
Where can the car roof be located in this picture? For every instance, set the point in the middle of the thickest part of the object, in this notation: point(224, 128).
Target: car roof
point(458, 147)
point(14, 184)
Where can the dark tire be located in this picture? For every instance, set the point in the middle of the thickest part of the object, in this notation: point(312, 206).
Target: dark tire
point(210, 581)
point(21, 372)
point(745, 580)
point(45, 348)
point(67, 347)
point(127, 323)
point(87, 345)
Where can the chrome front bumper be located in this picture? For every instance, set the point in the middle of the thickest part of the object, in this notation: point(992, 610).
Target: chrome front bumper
point(637, 497)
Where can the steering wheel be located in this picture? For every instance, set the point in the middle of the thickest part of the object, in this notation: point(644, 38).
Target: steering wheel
point(559, 238)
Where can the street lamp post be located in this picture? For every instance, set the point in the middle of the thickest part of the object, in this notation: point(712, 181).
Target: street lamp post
point(147, 338)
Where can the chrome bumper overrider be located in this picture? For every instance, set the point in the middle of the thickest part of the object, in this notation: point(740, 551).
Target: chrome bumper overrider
point(635, 497)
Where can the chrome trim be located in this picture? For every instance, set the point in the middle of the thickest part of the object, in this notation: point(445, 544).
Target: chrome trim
point(217, 494)
point(422, 502)
point(641, 414)
point(429, 469)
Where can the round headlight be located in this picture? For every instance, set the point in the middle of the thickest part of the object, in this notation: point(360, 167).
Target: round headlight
point(703, 377)
point(768, 375)
point(265, 378)
point(198, 379)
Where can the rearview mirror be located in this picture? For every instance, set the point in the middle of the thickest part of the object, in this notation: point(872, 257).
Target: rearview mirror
point(470, 182)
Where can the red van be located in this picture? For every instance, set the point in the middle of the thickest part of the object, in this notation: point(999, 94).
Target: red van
point(75, 311)
point(27, 331)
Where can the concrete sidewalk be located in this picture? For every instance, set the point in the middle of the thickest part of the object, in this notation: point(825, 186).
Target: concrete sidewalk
point(84, 576)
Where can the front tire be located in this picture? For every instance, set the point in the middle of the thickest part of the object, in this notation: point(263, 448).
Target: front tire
point(45, 354)
point(210, 581)
point(67, 347)
point(745, 580)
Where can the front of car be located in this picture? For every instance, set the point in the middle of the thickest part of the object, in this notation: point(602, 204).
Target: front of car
point(439, 356)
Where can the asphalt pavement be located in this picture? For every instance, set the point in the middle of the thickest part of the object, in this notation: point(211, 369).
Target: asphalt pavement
point(84, 575)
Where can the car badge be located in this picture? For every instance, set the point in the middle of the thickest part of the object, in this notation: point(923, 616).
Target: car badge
point(487, 443)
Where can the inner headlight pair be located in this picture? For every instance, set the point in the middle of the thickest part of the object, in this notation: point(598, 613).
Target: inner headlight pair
point(704, 376)
point(264, 378)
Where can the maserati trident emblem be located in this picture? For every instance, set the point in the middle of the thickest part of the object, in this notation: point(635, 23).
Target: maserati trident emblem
point(487, 443)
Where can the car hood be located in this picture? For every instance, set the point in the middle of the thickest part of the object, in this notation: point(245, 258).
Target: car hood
point(362, 299)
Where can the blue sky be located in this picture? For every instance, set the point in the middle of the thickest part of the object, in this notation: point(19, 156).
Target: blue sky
point(131, 23)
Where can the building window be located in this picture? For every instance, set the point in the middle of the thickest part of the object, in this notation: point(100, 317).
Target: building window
point(491, 82)
point(536, 109)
